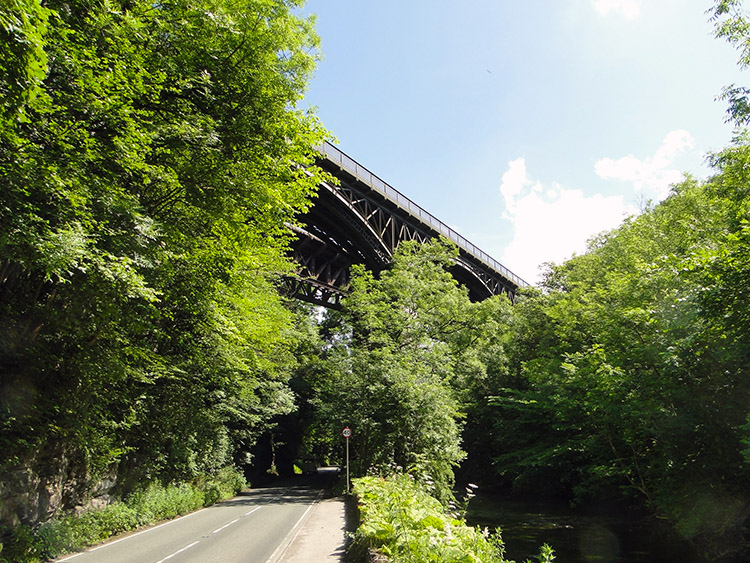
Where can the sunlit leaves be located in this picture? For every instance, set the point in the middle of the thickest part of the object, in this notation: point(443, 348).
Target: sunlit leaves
point(23, 61)
point(632, 363)
point(400, 518)
point(144, 214)
point(408, 359)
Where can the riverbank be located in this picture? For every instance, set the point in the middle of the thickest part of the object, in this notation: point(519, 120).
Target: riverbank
point(595, 532)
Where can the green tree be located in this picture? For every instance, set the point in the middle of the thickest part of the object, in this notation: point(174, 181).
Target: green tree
point(629, 366)
point(628, 369)
point(143, 222)
point(398, 364)
point(731, 24)
point(23, 62)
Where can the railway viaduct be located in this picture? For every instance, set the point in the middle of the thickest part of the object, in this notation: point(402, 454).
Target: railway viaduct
point(361, 221)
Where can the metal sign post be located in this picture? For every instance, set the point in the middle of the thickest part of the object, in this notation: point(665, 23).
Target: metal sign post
point(347, 433)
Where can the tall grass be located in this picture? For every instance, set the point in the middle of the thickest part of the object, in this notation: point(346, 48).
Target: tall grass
point(404, 522)
point(148, 506)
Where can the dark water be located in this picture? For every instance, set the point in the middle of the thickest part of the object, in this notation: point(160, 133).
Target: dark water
point(596, 534)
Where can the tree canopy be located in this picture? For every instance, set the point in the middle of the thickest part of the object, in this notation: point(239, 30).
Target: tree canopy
point(152, 155)
point(402, 359)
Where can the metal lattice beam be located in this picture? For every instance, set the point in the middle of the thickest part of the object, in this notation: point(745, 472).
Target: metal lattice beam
point(361, 221)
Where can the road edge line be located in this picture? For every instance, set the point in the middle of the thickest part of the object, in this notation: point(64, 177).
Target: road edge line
point(284, 545)
point(134, 534)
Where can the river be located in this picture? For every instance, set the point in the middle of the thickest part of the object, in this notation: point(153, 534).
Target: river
point(595, 534)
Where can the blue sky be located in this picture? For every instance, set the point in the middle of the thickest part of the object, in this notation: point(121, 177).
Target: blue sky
point(528, 126)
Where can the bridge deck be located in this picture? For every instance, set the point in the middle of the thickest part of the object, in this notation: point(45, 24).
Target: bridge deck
point(334, 155)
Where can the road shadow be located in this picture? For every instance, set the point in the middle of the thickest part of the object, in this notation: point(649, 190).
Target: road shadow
point(352, 518)
point(291, 490)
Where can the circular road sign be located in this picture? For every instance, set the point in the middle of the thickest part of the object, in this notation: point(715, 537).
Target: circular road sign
point(346, 432)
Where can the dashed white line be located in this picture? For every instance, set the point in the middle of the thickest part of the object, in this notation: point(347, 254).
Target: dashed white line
point(131, 536)
point(225, 526)
point(178, 551)
point(248, 513)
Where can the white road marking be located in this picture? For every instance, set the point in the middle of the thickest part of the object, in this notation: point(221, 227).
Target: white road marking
point(178, 552)
point(68, 558)
point(279, 552)
point(130, 536)
point(225, 526)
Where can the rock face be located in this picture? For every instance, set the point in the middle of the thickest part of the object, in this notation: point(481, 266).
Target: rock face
point(20, 500)
point(36, 491)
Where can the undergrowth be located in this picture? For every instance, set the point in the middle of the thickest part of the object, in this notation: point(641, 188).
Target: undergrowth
point(403, 521)
point(145, 507)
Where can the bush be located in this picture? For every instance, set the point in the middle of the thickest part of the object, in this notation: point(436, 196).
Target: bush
point(153, 503)
point(226, 483)
point(19, 546)
point(404, 522)
point(159, 502)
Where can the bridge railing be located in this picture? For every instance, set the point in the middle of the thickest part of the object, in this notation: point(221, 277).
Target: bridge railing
point(357, 170)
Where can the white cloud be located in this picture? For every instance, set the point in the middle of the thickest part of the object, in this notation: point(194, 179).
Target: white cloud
point(551, 223)
point(629, 9)
point(651, 176)
point(514, 180)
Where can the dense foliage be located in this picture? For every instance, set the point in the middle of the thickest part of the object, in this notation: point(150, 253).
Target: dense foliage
point(627, 370)
point(151, 155)
point(404, 522)
point(403, 358)
point(626, 374)
point(623, 377)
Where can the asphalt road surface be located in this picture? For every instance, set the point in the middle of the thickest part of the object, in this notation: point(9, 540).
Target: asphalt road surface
point(251, 527)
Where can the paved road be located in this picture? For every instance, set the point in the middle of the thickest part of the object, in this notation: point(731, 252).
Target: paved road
point(251, 528)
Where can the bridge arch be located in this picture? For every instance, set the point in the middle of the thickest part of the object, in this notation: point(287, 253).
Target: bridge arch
point(361, 221)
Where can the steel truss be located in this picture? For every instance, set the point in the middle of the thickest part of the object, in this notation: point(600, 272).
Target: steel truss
point(361, 221)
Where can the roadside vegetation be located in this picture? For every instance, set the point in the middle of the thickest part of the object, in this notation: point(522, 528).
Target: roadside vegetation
point(75, 532)
point(404, 522)
point(152, 159)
